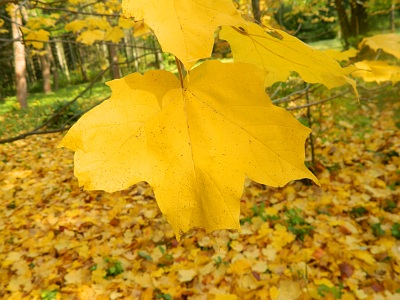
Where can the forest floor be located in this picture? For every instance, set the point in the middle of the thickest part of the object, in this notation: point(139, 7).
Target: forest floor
point(337, 241)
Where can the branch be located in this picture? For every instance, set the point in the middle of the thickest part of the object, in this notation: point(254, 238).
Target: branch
point(319, 102)
point(76, 12)
point(300, 94)
point(57, 113)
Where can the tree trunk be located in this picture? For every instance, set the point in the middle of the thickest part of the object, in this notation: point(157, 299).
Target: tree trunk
point(53, 66)
point(113, 59)
point(62, 60)
point(392, 17)
point(344, 22)
point(82, 64)
point(46, 74)
point(359, 18)
point(19, 58)
point(255, 5)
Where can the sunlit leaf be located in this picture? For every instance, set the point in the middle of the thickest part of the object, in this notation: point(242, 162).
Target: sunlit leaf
point(114, 34)
point(195, 145)
point(378, 71)
point(36, 38)
point(88, 37)
point(279, 53)
point(390, 43)
point(184, 28)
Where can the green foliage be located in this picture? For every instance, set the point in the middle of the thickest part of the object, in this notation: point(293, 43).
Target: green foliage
point(49, 295)
point(311, 22)
point(11, 205)
point(218, 262)
point(396, 230)
point(163, 296)
point(377, 230)
point(324, 290)
point(389, 206)
point(145, 255)
point(63, 114)
point(93, 268)
point(114, 268)
point(259, 210)
point(13, 121)
point(358, 212)
point(296, 223)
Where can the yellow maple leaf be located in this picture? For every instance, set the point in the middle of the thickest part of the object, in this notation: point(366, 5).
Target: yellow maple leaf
point(194, 144)
point(279, 53)
point(114, 34)
point(75, 25)
point(378, 71)
point(389, 43)
point(125, 23)
point(97, 23)
point(38, 22)
point(184, 28)
point(90, 36)
point(36, 38)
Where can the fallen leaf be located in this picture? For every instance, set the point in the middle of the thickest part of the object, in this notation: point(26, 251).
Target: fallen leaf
point(186, 275)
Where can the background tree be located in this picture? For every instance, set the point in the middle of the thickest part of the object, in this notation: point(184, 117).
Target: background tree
point(19, 55)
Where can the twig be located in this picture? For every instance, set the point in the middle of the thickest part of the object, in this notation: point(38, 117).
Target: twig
point(318, 102)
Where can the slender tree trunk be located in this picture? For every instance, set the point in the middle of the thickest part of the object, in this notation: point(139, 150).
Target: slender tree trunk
point(255, 5)
point(19, 58)
point(128, 46)
point(113, 59)
point(53, 66)
point(62, 60)
point(46, 74)
point(81, 64)
point(392, 17)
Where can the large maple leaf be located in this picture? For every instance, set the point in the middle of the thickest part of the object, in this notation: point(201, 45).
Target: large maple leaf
point(184, 28)
point(280, 53)
point(194, 144)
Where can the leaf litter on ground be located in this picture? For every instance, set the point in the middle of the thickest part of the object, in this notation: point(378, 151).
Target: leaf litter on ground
point(337, 241)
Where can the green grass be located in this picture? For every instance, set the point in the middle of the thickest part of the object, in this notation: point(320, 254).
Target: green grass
point(327, 44)
point(14, 121)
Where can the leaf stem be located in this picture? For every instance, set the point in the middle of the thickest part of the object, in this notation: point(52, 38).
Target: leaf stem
point(239, 30)
point(180, 70)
